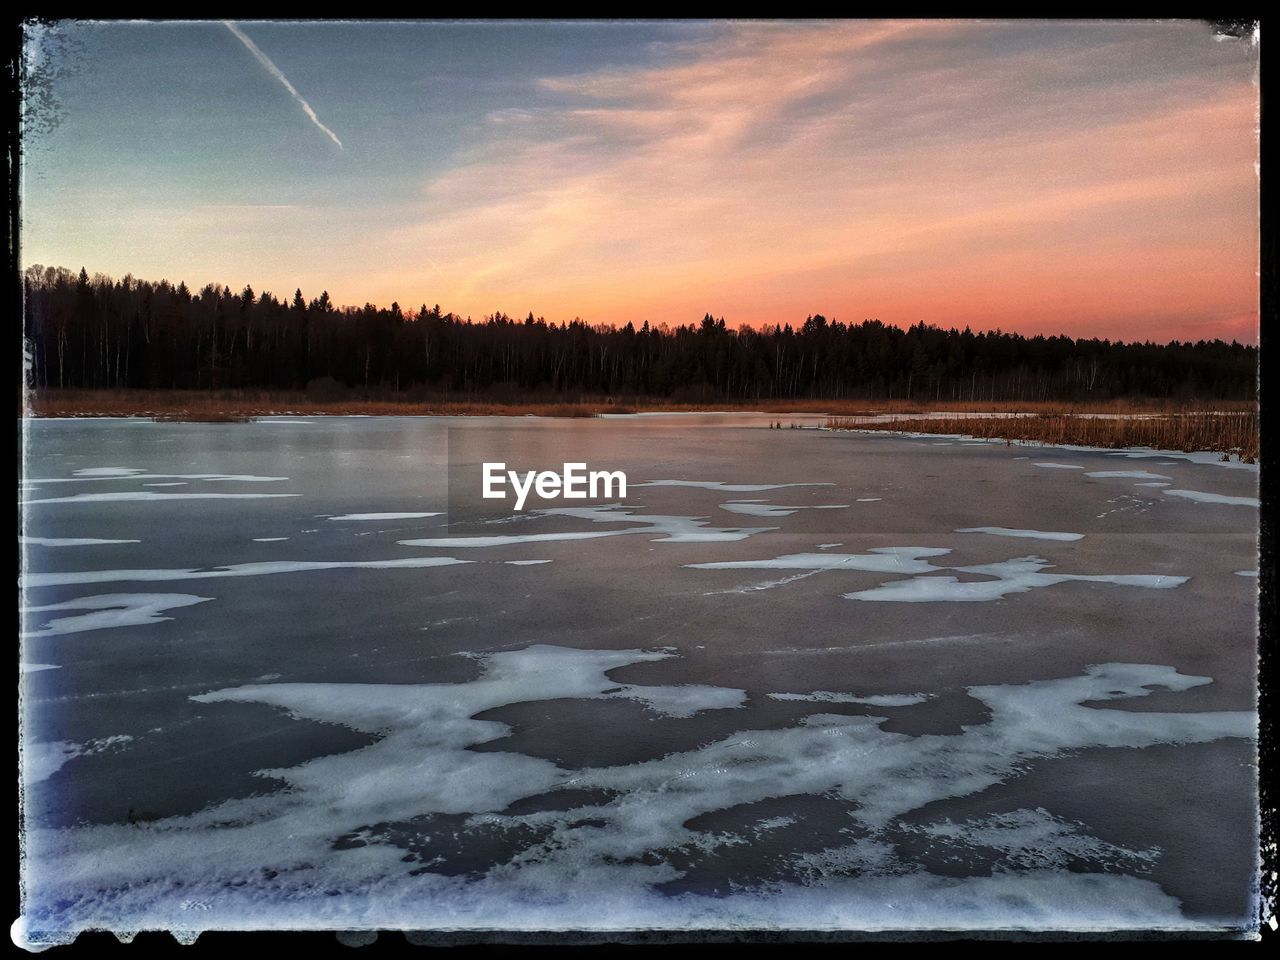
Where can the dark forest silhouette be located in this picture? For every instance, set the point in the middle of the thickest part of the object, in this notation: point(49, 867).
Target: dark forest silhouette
point(99, 333)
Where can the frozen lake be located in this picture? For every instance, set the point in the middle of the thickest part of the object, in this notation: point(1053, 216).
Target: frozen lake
point(297, 674)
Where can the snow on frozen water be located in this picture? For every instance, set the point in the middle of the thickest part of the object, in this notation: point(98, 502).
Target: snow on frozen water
point(876, 700)
point(1127, 474)
point(758, 509)
point(868, 500)
point(82, 476)
point(674, 530)
point(272, 860)
point(37, 667)
point(108, 471)
point(1059, 466)
point(726, 487)
point(1029, 839)
point(525, 563)
point(1154, 484)
point(1246, 573)
point(1197, 456)
point(257, 569)
point(877, 560)
point(385, 516)
point(1030, 534)
point(1201, 496)
point(69, 541)
point(169, 483)
point(157, 497)
point(111, 610)
point(269, 539)
point(1012, 576)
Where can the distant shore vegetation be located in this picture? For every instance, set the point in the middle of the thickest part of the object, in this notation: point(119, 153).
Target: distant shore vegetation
point(95, 333)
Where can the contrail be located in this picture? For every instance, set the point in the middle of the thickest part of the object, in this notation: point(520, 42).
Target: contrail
point(275, 72)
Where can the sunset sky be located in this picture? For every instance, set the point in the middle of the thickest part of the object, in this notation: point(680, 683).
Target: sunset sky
point(1097, 179)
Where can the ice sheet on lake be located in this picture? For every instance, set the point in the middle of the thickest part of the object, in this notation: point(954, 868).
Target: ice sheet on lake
point(271, 861)
point(256, 569)
point(110, 610)
point(69, 541)
point(385, 516)
point(146, 495)
point(1201, 496)
point(1029, 534)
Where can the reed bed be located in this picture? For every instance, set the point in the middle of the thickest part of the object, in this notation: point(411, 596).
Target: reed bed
point(1230, 434)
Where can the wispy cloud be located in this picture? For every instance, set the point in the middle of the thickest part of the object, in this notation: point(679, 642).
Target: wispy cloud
point(967, 173)
point(279, 75)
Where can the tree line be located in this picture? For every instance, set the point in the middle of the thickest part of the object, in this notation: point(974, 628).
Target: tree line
point(101, 333)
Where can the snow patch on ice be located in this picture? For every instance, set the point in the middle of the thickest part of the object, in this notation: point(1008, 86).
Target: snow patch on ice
point(256, 569)
point(758, 509)
point(876, 560)
point(156, 497)
point(111, 610)
point(1127, 474)
point(726, 487)
point(875, 700)
point(1059, 466)
point(1201, 496)
point(69, 541)
point(37, 667)
point(1011, 576)
point(385, 516)
point(1035, 839)
point(1029, 534)
point(271, 861)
